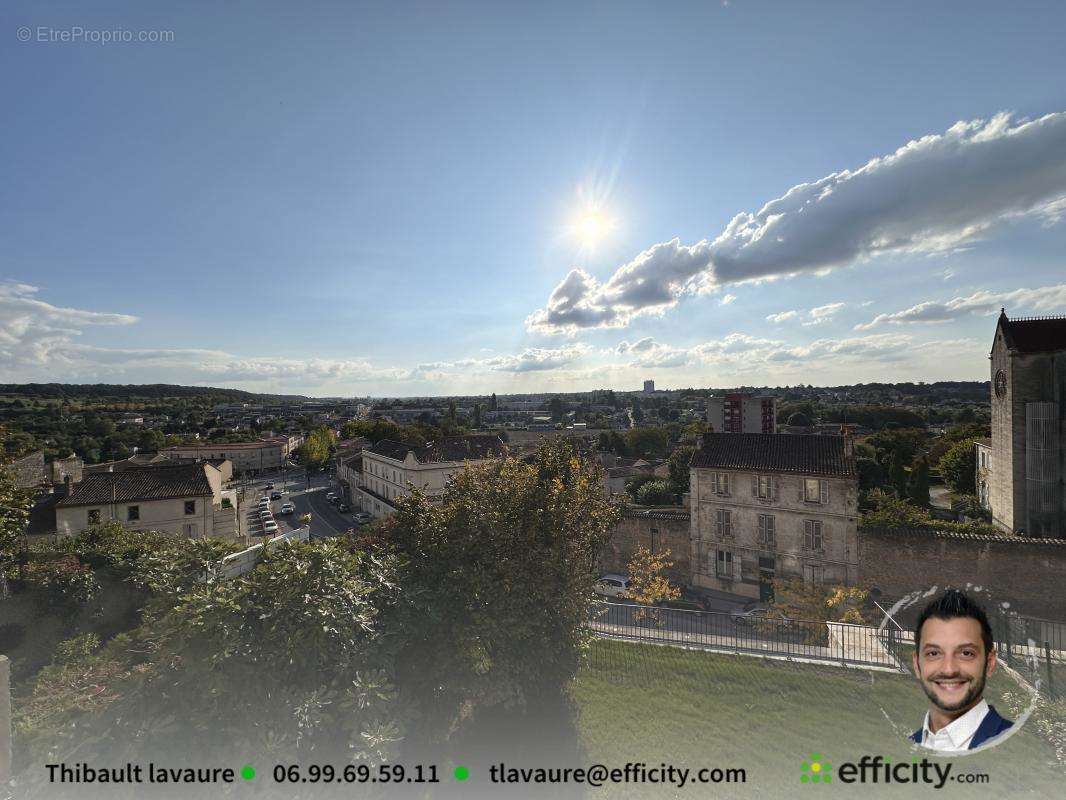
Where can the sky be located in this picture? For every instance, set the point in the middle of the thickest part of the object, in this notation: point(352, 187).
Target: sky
point(433, 198)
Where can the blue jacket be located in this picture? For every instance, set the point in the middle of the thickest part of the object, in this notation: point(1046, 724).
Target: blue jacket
point(991, 726)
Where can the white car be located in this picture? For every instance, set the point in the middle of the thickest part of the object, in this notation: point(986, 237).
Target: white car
point(612, 585)
point(270, 528)
point(287, 508)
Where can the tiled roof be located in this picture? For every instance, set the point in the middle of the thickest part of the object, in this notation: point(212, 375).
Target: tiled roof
point(451, 448)
point(661, 513)
point(1010, 541)
point(1034, 335)
point(774, 452)
point(146, 483)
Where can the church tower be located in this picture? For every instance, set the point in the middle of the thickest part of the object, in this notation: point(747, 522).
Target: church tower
point(1028, 373)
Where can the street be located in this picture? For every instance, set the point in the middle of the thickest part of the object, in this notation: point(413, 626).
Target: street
point(326, 520)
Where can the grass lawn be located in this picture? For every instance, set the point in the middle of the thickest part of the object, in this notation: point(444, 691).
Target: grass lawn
point(652, 704)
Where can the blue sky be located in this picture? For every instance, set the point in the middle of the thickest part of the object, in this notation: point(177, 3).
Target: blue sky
point(436, 198)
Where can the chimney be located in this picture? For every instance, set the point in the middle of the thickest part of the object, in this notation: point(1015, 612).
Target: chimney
point(67, 481)
point(849, 443)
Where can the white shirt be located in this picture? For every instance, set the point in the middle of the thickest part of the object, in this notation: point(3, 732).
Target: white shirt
point(957, 734)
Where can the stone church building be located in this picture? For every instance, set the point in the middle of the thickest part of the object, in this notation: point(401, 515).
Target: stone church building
point(1028, 371)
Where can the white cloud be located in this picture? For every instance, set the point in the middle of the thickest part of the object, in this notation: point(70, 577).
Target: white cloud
point(783, 316)
point(727, 299)
point(934, 194)
point(1044, 298)
point(815, 316)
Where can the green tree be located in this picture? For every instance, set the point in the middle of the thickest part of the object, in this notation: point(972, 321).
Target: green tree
point(317, 448)
point(679, 468)
point(918, 483)
point(496, 582)
point(647, 442)
point(958, 466)
point(14, 515)
point(555, 406)
point(656, 493)
point(889, 511)
point(288, 660)
point(897, 472)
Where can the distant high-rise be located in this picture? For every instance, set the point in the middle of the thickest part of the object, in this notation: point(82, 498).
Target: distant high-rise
point(1028, 371)
point(649, 387)
point(742, 413)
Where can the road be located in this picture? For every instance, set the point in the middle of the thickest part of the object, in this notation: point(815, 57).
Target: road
point(326, 521)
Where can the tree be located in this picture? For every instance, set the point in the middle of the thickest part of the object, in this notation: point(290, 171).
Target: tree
point(317, 448)
point(14, 515)
point(288, 660)
point(647, 442)
point(497, 571)
point(494, 403)
point(678, 464)
point(656, 493)
point(897, 473)
point(889, 511)
point(648, 583)
point(958, 466)
point(555, 406)
point(918, 484)
point(477, 415)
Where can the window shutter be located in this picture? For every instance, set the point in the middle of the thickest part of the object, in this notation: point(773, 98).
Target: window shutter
point(801, 495)
point(773, 487)
point(754, 485)
point(824, 487)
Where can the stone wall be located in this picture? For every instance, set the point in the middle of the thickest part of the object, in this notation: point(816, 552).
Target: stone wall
point(1027, 573)
point(656, 529)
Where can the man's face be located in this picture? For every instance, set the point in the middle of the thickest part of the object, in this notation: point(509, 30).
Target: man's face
point(952, 663)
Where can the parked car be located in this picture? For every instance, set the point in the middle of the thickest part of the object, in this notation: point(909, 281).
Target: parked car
point(270, 528)
point(361, 517)
point(275, 495)
point(755, 612)
point(334, 500)
point(287, 508)
point(331, 496)
point(344, 508)
point(612, 585)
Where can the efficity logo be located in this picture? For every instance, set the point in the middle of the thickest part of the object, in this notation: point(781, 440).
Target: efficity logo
point(878, 769)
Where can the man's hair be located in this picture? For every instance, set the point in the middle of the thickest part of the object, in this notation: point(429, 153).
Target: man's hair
point(953, 604)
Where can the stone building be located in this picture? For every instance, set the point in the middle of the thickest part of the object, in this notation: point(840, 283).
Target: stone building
point(392, 469)
point(766, 506)
point(1028, 371)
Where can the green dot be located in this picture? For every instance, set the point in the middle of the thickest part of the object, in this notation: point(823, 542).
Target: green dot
point(247, 772)
point(816, 779)
point(816, 756)
point(461, 773)
point(804, 778)
point(806, 767)
point(826, 778)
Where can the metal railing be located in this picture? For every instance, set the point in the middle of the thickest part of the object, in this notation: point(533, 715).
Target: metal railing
point(826, 642)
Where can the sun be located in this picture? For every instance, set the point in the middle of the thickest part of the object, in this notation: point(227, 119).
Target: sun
point(591, 226)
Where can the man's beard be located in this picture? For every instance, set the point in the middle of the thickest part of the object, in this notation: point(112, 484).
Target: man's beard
point(977, 688)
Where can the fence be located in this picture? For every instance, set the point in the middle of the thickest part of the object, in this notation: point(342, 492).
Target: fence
point(801, 640)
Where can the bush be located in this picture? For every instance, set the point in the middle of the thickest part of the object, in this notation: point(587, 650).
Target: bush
point(66, 583)
point(74, 650)
point(656, 493)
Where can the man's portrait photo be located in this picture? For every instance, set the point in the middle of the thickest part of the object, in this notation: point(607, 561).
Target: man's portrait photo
point(953, 656)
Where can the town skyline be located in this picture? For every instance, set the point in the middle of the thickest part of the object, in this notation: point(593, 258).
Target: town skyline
point(339, 225)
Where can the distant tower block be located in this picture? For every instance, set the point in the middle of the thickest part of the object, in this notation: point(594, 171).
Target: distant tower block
point(649, 387)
